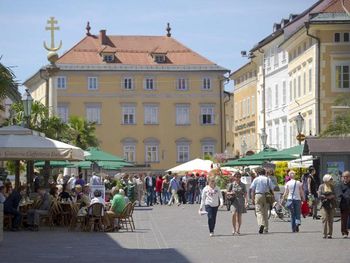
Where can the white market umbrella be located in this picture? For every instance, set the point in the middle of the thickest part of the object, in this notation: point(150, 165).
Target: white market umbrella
point(18, 143)
point(304, 162)
point(196, 164)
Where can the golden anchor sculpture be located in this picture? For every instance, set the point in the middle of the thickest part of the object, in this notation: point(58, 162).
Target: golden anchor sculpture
point(52, 56)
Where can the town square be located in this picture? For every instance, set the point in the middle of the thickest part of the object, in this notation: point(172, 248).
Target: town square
point(182, 131)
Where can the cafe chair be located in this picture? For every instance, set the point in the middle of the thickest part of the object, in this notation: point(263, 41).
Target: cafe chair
point(124, 217)
point(95, 217)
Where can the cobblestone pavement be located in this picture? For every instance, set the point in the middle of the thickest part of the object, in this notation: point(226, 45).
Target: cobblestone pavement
point(179, 234)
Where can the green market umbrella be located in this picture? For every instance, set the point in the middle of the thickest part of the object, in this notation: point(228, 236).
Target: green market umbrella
point(107, 165)
point(288, 154)
point(260, 156)
point(240, 162)
point(53, 164)
point(98, 155)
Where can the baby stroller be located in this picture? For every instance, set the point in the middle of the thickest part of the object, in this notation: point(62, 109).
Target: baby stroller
point(279, 211)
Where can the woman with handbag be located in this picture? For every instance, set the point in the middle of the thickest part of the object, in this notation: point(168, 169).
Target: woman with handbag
point(327, 196)
point(294, 194)
point(211, 199)
point(237, 192)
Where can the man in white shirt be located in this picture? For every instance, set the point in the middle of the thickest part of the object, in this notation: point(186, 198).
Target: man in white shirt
point(95, 179)
point(71, 182)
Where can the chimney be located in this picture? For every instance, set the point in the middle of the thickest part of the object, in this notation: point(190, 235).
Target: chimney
point(103, 37)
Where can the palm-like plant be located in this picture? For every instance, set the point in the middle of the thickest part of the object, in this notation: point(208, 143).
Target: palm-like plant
point(8, 85)
point(82, 133)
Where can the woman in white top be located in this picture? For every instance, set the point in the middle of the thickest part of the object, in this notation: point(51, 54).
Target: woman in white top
point(294, 194)
point(211, 196)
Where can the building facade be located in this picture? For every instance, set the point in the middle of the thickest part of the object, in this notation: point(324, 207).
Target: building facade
point(154, 101)
point(245, 117)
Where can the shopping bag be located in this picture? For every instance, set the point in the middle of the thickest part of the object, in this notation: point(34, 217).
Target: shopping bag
point(305, 209)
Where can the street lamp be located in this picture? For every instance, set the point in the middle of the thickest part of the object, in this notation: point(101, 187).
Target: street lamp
point(299, 120)
point(27, 101)
point(263, 137)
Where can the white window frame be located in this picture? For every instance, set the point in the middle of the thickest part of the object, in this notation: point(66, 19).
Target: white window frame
point(304, 82)
point(108, 58)
point(127, 83)
point(299, 85)
point(208, 149)
point(253, 105)
point(284, 92)
point(248, 107)
point(151, 114)
point(182, 112)
point(341, 88)
point(310, 79)
point(276, 96)
point(149, 83)
point(290, 90)
point(63, 112)
point(128, 111)
point(92, 83)
point(151, 153)
point(129, 151)
point(209, 111)
point(61, 82)
point(182, 84)
point(284, 135)
point(93, 113)
point(182, 152)
point(206, 83)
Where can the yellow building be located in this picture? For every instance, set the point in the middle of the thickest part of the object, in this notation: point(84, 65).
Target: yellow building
point(154, 100)
point(319, 65)
point(245, 117)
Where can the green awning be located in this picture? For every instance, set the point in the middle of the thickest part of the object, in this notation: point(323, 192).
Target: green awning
point(107, 165)
point(288, 154)
point(260, 156)
point(98, 155)
point(53, 164)
point(242, 163)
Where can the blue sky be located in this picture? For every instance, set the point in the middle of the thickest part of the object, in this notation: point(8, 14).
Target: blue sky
point(217, 29)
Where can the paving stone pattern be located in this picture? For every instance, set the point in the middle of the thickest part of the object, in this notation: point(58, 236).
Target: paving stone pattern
point(179, 234)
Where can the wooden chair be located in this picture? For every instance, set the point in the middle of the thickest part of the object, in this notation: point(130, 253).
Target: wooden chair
point(95, 217)
point(76, 218)
point(48, 218)
point(131, 214)
point(8, 221)
point(124, 217)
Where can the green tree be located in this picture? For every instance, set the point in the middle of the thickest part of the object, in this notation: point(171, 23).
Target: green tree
point(341, 124)
point(8, 84)
point(82, 132)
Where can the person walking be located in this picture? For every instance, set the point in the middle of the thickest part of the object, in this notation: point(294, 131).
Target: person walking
point(139, 188)
point(211, 200)
point(313, 185)
point(159, 183)
point(344, 202)
point(294, 193)
point(259, 187)
point(149, 185)
point(202, 182)
point(165, 188)
point(239, 202)
point(173, 188)
point(327, 196)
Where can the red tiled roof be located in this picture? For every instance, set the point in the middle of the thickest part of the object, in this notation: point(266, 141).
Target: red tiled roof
point(336, 7)
point(132, 50)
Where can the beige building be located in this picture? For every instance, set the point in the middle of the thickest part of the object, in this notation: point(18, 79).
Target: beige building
point(154, 101)
point(245, 117)
point(319, 63)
